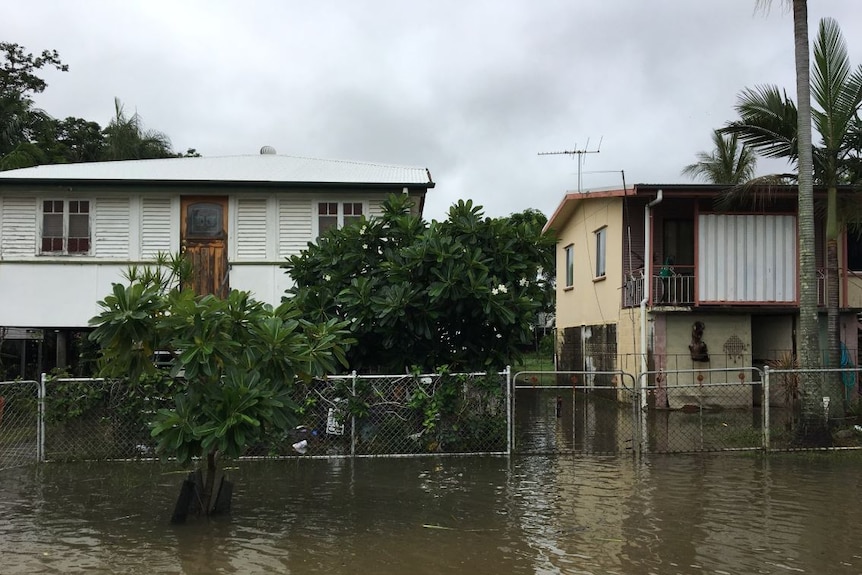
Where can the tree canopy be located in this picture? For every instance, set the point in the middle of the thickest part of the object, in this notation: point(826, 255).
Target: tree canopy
point(30, 136)
point(461, 293)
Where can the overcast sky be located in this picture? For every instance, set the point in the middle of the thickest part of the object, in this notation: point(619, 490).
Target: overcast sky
point(472, 90)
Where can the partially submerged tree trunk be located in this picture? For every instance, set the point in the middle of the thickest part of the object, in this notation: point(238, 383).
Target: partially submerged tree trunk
point(813, 423)
point(197, 495)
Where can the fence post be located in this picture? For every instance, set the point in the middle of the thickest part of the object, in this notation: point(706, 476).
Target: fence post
point(40, 430)
point(509, 411)
point(765, 402)
point(352, 416)
point(636, 415)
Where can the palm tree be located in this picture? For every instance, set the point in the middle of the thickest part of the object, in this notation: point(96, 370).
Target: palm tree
point(771, 124)
point(730, 162)
point(126, 138)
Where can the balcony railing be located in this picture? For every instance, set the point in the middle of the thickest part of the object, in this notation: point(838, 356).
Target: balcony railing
point(678, 288)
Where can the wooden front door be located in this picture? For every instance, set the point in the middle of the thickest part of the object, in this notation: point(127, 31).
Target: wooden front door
point(203, 237)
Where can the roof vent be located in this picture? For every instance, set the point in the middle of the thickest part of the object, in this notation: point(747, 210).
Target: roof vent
point(267, 151)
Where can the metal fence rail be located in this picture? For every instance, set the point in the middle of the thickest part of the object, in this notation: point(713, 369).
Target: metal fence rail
point(19, 423)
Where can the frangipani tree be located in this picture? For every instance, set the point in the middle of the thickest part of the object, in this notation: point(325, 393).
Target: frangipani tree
point(462, 293)
point(236, 360)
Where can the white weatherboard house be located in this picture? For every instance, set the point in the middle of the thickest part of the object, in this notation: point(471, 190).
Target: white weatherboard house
point(67, 232)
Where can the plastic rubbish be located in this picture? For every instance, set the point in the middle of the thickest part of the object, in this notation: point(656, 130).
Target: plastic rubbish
point(300, 446)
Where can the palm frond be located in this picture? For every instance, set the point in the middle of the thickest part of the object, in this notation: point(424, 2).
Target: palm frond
point(729, 163)
point(753, 194)
point(767, 122)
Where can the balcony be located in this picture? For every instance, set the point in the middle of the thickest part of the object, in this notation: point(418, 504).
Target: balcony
point(678, 288)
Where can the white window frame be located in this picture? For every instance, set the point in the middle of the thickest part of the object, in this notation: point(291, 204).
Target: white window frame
point(569, 269)
point(341, 203)
point(65, 237)
point(601, 252)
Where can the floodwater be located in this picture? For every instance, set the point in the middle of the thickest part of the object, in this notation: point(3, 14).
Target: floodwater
point(716, 514)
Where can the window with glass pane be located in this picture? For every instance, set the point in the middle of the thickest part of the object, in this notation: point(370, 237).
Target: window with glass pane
point(66, 226)
point(601, 240)
point(352, 212)
point(570, 265)
point(327, 216)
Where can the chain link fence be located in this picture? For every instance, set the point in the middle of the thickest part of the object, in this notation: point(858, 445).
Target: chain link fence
point(669, 411)
point(588, 412)
point(19, 423)
point(354, 415)
point(367, 415)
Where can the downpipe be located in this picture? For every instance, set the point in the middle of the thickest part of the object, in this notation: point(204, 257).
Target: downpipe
point(643, 305)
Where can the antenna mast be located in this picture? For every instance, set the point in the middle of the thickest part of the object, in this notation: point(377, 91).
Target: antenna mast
point(580, 153)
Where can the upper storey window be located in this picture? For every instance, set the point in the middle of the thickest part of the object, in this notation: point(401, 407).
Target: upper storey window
point(65, 227)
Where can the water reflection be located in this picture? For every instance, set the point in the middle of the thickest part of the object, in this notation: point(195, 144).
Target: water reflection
point(545, 515)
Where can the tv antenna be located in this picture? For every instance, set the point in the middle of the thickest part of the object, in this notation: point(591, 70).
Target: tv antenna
point(580, 153)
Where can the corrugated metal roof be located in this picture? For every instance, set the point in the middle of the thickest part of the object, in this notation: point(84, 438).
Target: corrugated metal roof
point(248, 168)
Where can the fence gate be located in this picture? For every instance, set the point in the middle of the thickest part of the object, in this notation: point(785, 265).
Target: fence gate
point(19, 429)
point(589, 412)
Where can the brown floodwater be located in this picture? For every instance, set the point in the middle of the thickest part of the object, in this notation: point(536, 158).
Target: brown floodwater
point(717, 514)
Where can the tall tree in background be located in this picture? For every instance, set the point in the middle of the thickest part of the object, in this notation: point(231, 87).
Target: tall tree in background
point(771, 123)
point(729, 163)
point(30, 136)
point(127, 139)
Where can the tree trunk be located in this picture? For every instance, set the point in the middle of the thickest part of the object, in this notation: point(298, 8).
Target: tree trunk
point(809, 346)
point(834, 387)
point(209, 482)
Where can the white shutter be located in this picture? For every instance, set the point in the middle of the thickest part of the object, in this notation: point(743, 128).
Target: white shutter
point(111, 225)
point(155, 227)
point(746, 258)
point(18, 227)
point(294, 225)
point(251, 230)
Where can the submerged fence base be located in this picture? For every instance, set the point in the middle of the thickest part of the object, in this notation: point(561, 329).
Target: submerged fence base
point(589, 412)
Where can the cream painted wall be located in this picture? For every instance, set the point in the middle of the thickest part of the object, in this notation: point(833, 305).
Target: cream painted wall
point(728, 340)
point(772, 336)
point(590, 301)
point(629, 340)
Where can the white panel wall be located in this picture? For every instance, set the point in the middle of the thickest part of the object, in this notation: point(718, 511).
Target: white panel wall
point(18, 227)
point(746, 258)
point(111, 226)
point(59, 295)
point(266, 283)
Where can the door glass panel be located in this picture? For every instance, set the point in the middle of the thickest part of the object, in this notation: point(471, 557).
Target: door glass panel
point(204, 220)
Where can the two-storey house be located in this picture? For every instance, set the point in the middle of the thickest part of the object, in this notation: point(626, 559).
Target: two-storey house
point(656, 279)
point(67, 232)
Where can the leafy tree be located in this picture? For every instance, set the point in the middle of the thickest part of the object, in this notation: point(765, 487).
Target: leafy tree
point(19, 82)
point(770, 123)
point(237, 357)
point(461, 293)
point(729, 163)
